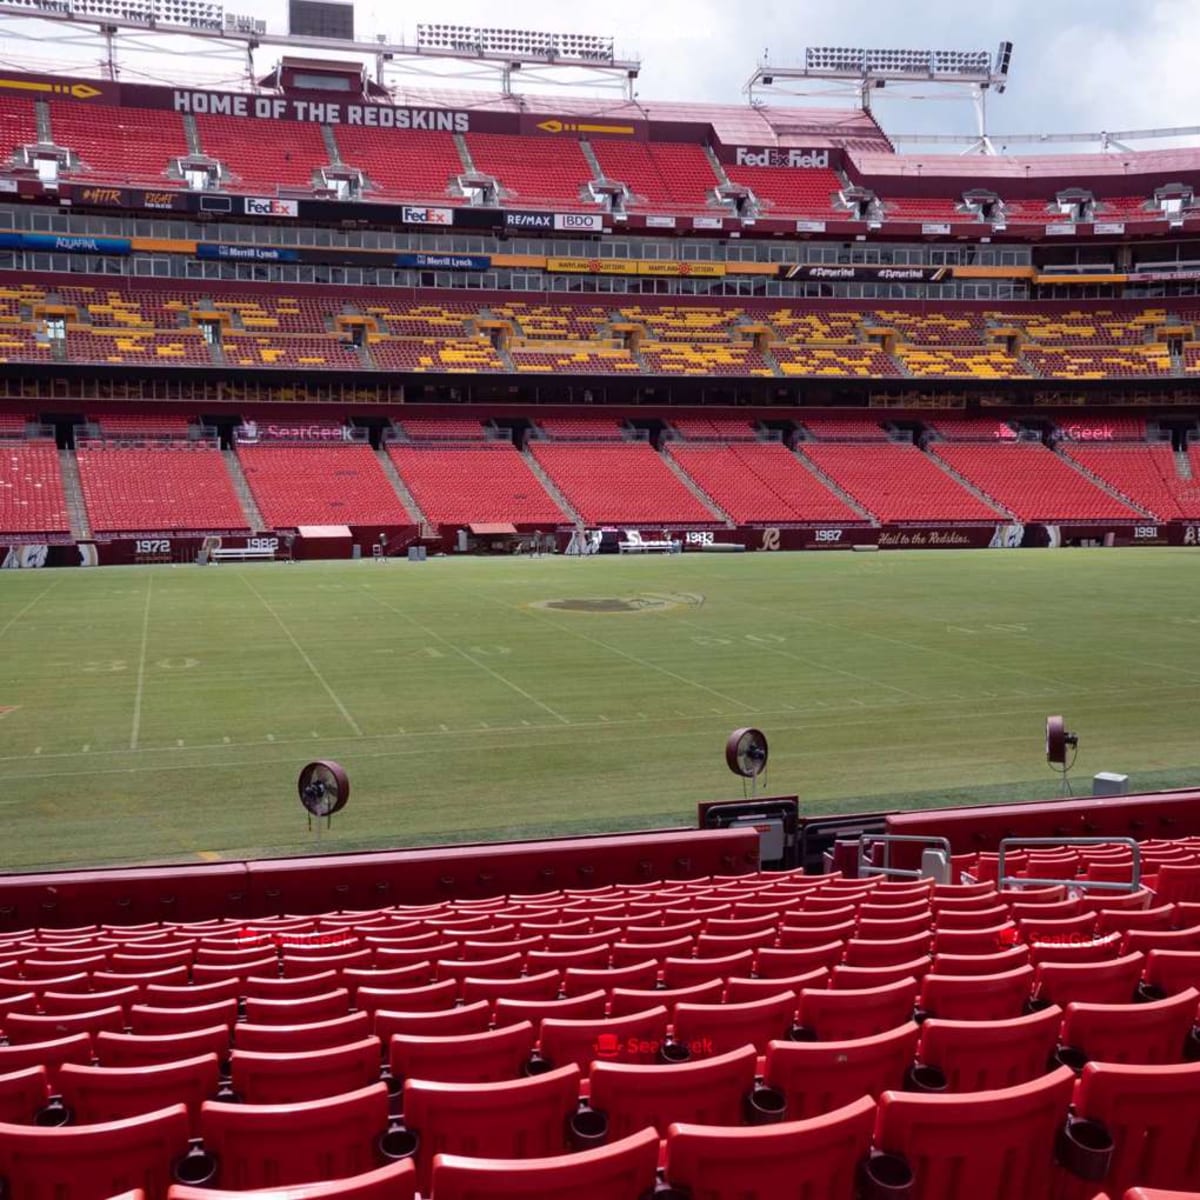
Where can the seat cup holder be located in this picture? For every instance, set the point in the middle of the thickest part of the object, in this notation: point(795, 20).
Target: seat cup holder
point(1148, 993)
point(537, 1065)
point(587, 1128)
point(197, 1167)
point(920, 1015)
point(1069, 1056)
point(885, 1177)
point(1191, 1048)
point(1036, 1005)
point(674, 1052)
point(53, 1114)
point(801, 1033)
point(765, 1106)
point(398, 1142)
point(1085, 1148)
point(924, 1077)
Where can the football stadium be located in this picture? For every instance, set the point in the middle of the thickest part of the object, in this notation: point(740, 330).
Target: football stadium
point(558, 645)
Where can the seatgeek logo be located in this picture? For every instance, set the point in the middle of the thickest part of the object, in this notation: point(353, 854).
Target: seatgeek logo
point(769, 157)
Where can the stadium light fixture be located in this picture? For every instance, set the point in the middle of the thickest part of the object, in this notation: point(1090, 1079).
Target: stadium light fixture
point(528, 44)
point(863, 71)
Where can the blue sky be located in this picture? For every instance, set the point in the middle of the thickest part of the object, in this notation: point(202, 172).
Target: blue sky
point(1079, 65)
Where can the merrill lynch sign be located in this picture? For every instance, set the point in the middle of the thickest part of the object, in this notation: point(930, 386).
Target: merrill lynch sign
point(771, 156)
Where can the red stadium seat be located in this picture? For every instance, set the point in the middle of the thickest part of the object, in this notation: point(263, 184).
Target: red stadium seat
point(708, 1029)
point(467, 1018)
point(542, 986)
point(636, 1038)
point(96, 1094)
point(633, 1000)
point(190, 996)
point(623, 1170)
point(987, 940)
point(433, 997)
point(976, 997)
point(464, 1058)
point(1162, 939)
point(294, 1039)
point(273, 1145)
point(774, 963)
point(22, 1028)
point(1171, 971)
point(1132, 1033)
point(146, 1019)
point(1152, 1114)
point(739, 990)
point(136, 1050)
point(578, 980)
point(261, 987)
point(63, 1003)
point(819, 1077)
point(23, 1093)
point(844, 977)
point(515, 1119)
point(1112, 982)
point(715, 1091)
point(258, 1078)
point(396, 1181)
point(816, 1157)
point(684, 972)
point(304, 1010)
point(954, 1143)
point(976, 1056)
point(90, 1162)
point(848, 1015)
point(574, 1008)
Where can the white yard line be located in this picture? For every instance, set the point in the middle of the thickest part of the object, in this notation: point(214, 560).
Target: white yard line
point(308, 662)
point(21, 612)
point(141, 672)
point(516, 687)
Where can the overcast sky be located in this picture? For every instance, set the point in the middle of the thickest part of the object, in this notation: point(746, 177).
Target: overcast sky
point(1078, 65)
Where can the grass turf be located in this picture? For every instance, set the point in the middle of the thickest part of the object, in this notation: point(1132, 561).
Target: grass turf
point(157, 714)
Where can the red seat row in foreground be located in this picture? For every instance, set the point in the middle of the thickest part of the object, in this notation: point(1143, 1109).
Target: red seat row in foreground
point(1054, 1138)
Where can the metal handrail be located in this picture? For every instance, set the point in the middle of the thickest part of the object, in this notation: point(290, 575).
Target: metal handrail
point(866, 868)
point(1099, 885)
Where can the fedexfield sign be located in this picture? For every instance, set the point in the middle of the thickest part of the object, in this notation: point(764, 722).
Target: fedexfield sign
point(771, 156)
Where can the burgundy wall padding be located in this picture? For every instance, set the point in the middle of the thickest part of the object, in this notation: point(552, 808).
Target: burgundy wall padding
point(242, 890)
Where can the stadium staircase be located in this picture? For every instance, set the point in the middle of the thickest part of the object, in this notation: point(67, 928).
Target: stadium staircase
point(42, 115)
point(81, 528)
point(254, 518)
point(192, 134)
point(697, 491)
point(1183, 465)
point(593, 161)
point(840, 492)
point(1105, 486)
point(964, 482)
point(550, 486)
point(464, 153)
point(331, 146)
point(406, 497)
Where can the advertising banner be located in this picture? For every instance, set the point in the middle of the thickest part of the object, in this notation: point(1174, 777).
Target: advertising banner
point(445, 262)
point(579, 222)
point(217, 250)
point(839, 274)
point(412, 214)
point(64, 244)
point(266, 206)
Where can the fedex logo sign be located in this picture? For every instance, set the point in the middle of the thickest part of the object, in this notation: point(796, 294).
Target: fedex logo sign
point(773, 157)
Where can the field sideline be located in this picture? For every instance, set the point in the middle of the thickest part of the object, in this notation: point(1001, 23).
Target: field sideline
point(162, 713)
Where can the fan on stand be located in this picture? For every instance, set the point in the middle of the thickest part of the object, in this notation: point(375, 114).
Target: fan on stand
point(1062, 748)
point(324, 788)
point(746, 755)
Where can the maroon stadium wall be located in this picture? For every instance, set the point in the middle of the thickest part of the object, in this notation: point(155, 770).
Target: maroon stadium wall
point(273, 887)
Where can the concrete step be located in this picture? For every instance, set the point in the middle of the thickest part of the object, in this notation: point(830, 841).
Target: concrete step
point(335, 153)
point(1105, 486)
point(464, 154)
point(594, 162)
point(552, 488)
point(1183, 464)
point(192, 134)
point(45, 131)
point(254, 518)
point(696, 490)
point(843, 495)
point(81, 528)
point(966, 483)
point(406, 497)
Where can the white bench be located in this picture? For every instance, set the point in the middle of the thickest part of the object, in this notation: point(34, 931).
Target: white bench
point(634, 543)
point(242, 553)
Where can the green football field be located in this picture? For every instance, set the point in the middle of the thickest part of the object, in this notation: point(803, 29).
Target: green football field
point(162, 713)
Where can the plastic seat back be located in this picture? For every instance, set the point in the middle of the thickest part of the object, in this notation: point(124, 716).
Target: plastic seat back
point(637, 1037)
point(1152, 1114)
point(138, 1050)
point(302, 1010)
point(396, 1181)
point(624, 1170)
point(294, 1039)
point(977, 997)
point(1132, 1033)
point(711, 1091)
point(22, 1093)
point(96, 1094)
point(464, 1058)
point(468, 1018)
point(262, 1078)
point(851, 1014)
point(817, 1157)
point(708, 1029)
point(999, 1144)
point(145, 1018)
point(521, 1118)
point(274, 1145)
point(1112, 982)
point(975, 1056)
point(88, 1162)
point(819, 1077)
